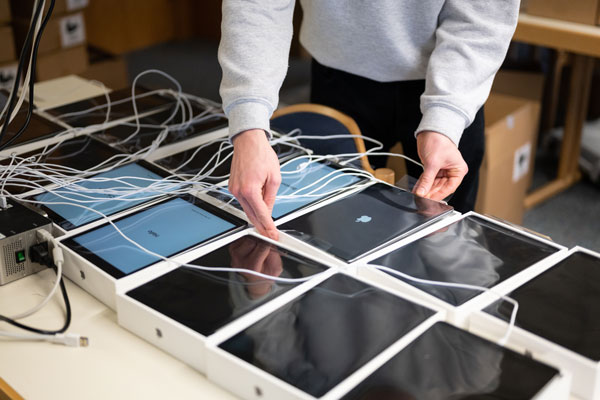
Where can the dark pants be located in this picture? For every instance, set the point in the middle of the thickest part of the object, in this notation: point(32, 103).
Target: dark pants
point(390, 112)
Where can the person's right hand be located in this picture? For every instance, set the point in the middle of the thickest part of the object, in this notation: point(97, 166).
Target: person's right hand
point(255, 179)
point(250, 254)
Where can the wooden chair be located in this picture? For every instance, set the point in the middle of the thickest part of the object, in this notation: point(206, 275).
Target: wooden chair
point(319, 120)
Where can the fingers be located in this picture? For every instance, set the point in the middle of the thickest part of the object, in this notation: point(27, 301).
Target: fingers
point(270, 190)
point(444, 167)
point(426, 181)
point(259, 215)
point(255, 178)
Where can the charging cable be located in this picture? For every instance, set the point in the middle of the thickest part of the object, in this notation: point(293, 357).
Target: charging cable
point(40, 253)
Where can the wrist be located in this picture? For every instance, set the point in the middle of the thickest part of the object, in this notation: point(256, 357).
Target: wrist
point(434, 135)
point(250, 135)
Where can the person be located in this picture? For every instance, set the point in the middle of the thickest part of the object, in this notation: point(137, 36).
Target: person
point(417, 71)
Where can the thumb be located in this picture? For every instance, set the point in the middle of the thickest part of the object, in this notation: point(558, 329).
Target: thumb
point(425, 182)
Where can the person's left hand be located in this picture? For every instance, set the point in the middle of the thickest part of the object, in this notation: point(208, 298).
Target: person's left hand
point(444, 167)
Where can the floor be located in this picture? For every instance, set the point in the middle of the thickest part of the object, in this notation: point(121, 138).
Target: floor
point(570, 218)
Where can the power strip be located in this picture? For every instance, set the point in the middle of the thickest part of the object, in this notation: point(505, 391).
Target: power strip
point(18, 226)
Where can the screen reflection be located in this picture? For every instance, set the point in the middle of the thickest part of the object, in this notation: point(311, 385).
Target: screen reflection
point(319, 339)
point(471, 251)
point(362, 222)
point(446, 363)
point(561, 305)
point(206, 301)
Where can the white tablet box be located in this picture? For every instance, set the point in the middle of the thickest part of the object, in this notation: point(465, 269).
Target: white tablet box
point(98, 282)
point(59, 231)
point(586, 372)
point(556, 388)
point(69, 132)
point(319, 203)
point(456, 315)
point(250, 382)
point(181, 341)
point(193, 142)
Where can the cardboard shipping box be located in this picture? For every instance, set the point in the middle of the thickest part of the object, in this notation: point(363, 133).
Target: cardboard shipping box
point(7, 47)
point(510, 134)
point(60, 32)
point(112, 72)
point(63, 62)
point(525, 85)
point(24, 8)
point(5, 15)
point(8, 73)
point(581, 11)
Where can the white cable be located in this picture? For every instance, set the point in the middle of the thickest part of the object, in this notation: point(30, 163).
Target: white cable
point(58, 260)
point(466, 286)
point(67, 339)
point(24, 92)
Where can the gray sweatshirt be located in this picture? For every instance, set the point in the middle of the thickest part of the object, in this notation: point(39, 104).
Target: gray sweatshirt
point(457, 46)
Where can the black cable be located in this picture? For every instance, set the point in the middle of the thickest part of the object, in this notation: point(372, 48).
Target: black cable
point(39, 253)
point(22, 57)
point(65, 326)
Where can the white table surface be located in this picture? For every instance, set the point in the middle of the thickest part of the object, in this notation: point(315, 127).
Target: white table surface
point(117, 364)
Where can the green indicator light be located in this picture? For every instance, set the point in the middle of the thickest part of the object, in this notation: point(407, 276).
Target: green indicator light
point(20, 256)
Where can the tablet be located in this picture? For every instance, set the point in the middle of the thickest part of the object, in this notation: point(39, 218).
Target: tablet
point(206, 301)
point(471, 251)
point(79, 114)
point(166, 228)
point(81, 153)
point(323, 336)
point(447, 363)
point(38, 128)
point(312, 182)
point(365, 221)
point(146, 135)
point(131, 176)
point(561, 305)
point(214, 159)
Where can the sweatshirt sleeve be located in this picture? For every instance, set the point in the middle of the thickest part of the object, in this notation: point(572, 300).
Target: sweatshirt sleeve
point(471, 42)
point(253, 53)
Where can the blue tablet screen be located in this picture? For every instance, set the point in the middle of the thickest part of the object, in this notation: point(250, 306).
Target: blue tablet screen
point(310, 182)
point(166, 228)
point(130, 174)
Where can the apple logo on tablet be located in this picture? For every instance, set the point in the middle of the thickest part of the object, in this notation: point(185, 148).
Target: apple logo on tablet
point(364, 219)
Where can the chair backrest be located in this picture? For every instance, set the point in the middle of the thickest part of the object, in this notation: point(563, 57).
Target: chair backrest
point(319, 120)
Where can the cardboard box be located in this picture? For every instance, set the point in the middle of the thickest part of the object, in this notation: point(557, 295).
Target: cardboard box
point(112, 72)
point(5, 15)
point(525, 85)
point(24, 8)
point(8, 73)
point(510, 133)
point(60, 32)
point(63, 62)
point(581, 11)
point(117, 26)
point(7, 48)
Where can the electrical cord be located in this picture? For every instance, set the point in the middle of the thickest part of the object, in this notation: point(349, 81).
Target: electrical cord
point(40, 253)
point(8, 109)
point(33, 63)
